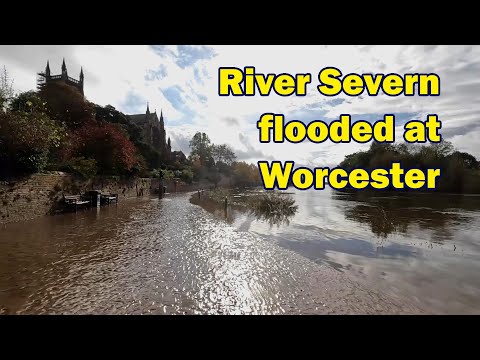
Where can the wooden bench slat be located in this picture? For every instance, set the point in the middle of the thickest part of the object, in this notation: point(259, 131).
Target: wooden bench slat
point(75, 200)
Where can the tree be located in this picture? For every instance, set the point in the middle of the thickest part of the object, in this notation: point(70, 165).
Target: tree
point(26, 138)
point(214, 177)
point(167, 174)
point(200, 145)
point(28, 101)
point(443, 148)
point(112, 115)
point(245, 174)
point(108, 145)
point(460, 171)
point(224, 154)
point(6, 89)
point(187, 175)
point(153, 158)
point(469, 161)
point(67, 105)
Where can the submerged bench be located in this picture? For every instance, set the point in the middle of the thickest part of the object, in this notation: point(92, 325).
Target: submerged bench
point(76, 200)
point(108, 198)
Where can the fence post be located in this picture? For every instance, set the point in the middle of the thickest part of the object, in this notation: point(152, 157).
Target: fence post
point(226, 207)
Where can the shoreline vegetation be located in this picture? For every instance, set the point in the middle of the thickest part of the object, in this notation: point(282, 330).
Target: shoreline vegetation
point(460, 171)
point(274, 207)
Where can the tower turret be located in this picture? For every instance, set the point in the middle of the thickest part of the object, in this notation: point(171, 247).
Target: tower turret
point(64, 70)
point(47, 77)
point(47, 70)
point(162, 125)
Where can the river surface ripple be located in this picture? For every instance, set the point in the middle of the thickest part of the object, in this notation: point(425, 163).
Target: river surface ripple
point(168, 257)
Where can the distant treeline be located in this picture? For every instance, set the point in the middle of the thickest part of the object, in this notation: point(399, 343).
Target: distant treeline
point(460, 170)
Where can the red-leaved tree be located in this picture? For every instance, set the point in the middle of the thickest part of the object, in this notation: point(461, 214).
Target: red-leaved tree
point(108, 145)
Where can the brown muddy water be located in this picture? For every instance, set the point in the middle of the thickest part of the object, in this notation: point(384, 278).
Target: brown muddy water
point(339, 253)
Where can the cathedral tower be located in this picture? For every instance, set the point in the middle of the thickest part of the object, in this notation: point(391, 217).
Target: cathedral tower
point(46, 77)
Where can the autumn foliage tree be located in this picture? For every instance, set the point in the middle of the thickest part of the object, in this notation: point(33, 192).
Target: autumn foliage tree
point(245, 174)
point(108, 145)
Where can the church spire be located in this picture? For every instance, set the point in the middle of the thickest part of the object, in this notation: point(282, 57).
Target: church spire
point(81, 74)
point(161, 118)
point(169, 143)
point(64, 70)
point(148, 109)
point(47, 69)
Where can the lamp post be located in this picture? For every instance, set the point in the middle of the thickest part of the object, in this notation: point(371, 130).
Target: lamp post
point(160, 186)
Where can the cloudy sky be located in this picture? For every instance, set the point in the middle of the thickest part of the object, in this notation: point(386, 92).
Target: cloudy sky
point(183, 82)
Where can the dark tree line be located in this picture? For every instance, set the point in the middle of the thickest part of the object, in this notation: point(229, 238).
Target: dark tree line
point(460, 170)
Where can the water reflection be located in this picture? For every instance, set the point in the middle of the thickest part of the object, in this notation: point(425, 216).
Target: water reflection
point(386, 214)
point(165, 256)
point(423, 247)
point(278, 218)
point(278, 209)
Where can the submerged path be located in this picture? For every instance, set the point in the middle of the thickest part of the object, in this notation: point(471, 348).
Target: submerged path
point(167, 257)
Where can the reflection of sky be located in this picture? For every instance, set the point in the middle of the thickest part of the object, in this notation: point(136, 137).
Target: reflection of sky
point(434, 252)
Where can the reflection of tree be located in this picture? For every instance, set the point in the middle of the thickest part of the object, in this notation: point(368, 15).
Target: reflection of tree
point(273, 208)
point(387, 213)
point(382, 221)
point(278, 217)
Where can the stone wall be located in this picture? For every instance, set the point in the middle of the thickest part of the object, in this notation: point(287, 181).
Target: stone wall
point(41, 194)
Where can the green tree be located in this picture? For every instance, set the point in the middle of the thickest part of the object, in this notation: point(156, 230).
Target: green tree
point(460, 171)
point(224, 154)
point(469, 161)
point(6, 89)
point(200, 145)
point(28, 101)
point(26, 139)
point(167, 174)
point(187, 175)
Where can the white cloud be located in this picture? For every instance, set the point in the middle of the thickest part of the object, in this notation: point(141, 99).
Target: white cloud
point(185, 87)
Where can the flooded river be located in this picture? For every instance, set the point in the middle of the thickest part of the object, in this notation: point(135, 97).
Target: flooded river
point(338, 254)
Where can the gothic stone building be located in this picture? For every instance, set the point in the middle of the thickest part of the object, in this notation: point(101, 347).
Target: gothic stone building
point(46, 77)
point(153, 131)
point(153, 128)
